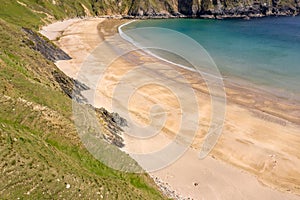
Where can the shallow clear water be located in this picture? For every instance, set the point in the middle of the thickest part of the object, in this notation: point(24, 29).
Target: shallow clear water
point(264, 52)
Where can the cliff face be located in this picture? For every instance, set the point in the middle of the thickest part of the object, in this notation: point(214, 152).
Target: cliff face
point(198, 8)
point(59, 9)
point(234, 8)
point(134, 7)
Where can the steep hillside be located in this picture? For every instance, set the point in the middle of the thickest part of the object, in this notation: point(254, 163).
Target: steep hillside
point(33, 10)
point(198, 8)
point(41, 154)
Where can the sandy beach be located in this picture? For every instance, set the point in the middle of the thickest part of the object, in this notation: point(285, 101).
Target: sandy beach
point(258, 153)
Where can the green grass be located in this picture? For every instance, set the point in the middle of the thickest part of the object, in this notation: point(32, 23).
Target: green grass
point(28, 13)
point(28, 161)
point(40, 150)
point(11, 11)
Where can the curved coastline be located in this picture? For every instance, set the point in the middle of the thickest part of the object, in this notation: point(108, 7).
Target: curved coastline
point(262, 103)
point(230, 78)
point(213, 168)
point(130, 40)
point(264, 93)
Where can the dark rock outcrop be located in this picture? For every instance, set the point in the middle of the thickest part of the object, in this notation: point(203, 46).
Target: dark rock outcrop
point(111, 123)
point(46, 48)
point(119, 120)
point(71, 87)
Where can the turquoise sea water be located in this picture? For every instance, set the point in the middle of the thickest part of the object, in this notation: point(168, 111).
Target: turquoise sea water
point(264, 52)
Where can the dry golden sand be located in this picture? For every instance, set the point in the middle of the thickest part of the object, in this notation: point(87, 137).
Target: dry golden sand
point(258, 154)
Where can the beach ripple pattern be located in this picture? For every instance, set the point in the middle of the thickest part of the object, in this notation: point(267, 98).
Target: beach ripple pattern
point(115, 48)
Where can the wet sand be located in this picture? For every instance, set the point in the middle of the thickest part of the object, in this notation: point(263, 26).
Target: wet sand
point(258, 153)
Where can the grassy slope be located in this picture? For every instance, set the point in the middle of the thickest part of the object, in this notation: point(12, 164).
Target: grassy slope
point(40, 151)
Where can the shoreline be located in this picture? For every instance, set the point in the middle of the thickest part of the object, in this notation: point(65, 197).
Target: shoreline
point(65, 67)
point(236, 83)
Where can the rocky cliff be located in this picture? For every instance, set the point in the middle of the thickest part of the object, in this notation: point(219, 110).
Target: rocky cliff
point(236, 8)
point(197, 8)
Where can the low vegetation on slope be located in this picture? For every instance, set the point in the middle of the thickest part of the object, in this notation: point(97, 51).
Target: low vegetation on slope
point(41, 154)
